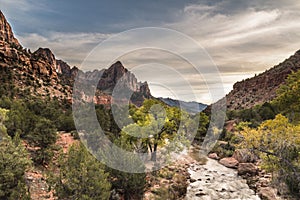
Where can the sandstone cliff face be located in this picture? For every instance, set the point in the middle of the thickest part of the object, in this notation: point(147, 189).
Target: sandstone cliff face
point(31, 72)
point(117, 74)
point(262, 88)
point(63, 68)
point(43, 61)
point(115, 79)
point(6, 34)
point(11, 52)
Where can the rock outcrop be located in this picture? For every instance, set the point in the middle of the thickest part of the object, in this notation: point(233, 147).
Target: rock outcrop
point(267, 193)
point(11, 52)
point(43, 61)
point(30, 73)
point(244, 156)
point(112, 75)
point(6, 34)
point(213, 156)
point(117, 77)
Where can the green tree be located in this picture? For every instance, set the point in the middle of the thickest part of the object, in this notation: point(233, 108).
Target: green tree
point(66, 122)
point(14, 162)
point(43, 136)
point(155, 124)
point(266, 111)
point(203, 125)
point(81, 176)
point(20, 119)
point(288, 96)
point(132, 184)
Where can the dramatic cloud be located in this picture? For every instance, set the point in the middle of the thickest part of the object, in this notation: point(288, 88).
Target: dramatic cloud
point(248, 37)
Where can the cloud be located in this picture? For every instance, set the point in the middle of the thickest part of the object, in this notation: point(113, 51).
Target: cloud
point(71, 47)
point(243, 37)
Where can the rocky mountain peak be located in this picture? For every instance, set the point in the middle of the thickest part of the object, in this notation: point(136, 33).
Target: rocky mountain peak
point(113, 74)
point(43, 60)
point(46, 54)
point(118, 75)
point(6, 34)
point(117, 70)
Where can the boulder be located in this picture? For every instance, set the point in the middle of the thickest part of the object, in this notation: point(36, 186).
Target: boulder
point(267, 193)
point(229, 162)
point(247, 168)
point(214, 156)
point(244, 156)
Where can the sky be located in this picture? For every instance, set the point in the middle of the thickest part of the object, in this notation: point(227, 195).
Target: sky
point(238, 38)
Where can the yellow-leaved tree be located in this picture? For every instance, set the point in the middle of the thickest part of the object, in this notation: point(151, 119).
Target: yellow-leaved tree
point(277, 142)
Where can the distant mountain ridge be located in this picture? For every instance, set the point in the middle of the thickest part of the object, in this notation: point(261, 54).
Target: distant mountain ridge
point(191, 107)
point(41, 74)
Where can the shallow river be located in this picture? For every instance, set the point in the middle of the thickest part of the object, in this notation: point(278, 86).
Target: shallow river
point(213, 181)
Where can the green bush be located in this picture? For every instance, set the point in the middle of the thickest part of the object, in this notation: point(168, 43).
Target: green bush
point(43, 136)
point(13, 164)
point(81, 176)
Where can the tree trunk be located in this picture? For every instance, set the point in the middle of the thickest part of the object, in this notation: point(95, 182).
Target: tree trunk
point(153, 154)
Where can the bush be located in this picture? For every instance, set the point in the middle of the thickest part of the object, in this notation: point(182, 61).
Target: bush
point(81, 176)
point(66, 123)
point(44, 137)
point(13, 164)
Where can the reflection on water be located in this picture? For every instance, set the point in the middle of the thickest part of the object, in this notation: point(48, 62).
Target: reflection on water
point(194, 152)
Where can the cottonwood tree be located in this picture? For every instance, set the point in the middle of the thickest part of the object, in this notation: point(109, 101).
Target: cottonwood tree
point(155, 125)
point(277, 142)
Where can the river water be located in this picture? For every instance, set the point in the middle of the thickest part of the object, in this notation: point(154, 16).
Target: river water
point(213, 181)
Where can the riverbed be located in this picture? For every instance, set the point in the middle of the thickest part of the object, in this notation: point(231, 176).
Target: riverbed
point(213, 181)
